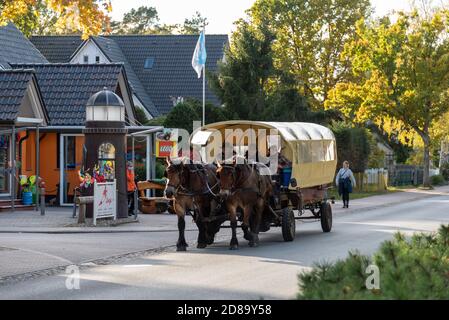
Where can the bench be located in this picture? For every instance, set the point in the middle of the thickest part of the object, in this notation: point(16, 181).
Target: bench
point(151, 205)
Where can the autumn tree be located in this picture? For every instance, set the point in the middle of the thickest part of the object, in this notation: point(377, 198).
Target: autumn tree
point(86, 16)
point(402, 73)
point(310, 37)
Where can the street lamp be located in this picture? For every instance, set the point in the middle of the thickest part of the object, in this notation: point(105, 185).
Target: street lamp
point(105, 105)
point(105, 142)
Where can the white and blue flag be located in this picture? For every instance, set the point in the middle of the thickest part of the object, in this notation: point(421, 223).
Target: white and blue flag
point(200, 55)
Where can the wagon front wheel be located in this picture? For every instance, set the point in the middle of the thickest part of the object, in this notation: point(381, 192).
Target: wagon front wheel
point(326, 217)
point(288, 224)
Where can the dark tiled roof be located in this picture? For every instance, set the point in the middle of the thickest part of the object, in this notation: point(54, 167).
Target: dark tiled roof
point(13, 87)
point(57, 49)
point(16, 48)
point(172, 73)
point(66, 88)
point(113, 52)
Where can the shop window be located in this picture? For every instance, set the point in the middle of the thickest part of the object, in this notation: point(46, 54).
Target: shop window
point(106, 161)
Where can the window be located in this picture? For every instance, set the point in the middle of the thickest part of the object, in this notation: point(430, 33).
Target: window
point(86, 59)
point(97, 59)
point(106, 160)
point(71, 151)
point(149, 63)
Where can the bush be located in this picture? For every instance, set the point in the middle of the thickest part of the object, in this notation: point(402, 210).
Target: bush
point(376, 157)
point(353, 145)
point(415, 268)
point(444, 170)
point(437, 180)
point(183, 114)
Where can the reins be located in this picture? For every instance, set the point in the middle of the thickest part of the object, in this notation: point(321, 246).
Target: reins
point(187, 192)
point(234, 189)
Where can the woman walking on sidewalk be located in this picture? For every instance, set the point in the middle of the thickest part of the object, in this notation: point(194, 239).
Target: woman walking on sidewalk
point(345, 181)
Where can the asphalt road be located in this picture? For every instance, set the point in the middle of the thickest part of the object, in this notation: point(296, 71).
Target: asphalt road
point(267, 272)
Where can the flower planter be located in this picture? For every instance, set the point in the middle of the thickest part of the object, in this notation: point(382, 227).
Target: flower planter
point(27, 198)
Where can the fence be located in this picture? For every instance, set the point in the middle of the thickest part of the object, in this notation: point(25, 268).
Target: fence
point(372, 180)
point(403, 175)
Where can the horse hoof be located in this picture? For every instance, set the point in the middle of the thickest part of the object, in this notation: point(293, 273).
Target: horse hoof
point(201, 245)
point(253, 244)
point(234, 247)
point(181, 248)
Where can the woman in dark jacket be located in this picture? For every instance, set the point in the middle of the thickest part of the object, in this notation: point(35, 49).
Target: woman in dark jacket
point(345, 181)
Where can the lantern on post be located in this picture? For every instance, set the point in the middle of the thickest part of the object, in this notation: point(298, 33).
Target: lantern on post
point(105, 144)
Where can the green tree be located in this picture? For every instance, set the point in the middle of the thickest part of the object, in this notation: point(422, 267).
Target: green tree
point(194, 25)
point(310, 37)
point(287, 104)
point(353, 145)
point(402, 71)
point(376, 158)
point(141, 117)
point(137, 21)
point(183, 114)
point(242, 79)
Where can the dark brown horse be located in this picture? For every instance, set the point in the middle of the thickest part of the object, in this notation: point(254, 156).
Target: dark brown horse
point(245, 188)
point(193, 188)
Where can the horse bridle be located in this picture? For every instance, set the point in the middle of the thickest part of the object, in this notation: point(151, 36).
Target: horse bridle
point(234, 179)
point(208, 187)
point(181, 182)
point(185, 191)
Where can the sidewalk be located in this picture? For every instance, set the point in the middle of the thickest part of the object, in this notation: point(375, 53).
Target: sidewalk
point(59, 220)
point(385, 200)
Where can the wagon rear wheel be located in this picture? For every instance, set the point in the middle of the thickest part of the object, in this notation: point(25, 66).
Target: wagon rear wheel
point(288, 224)
point(326, 217)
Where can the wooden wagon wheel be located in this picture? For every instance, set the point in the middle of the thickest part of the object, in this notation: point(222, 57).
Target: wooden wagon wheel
point(326, 216)
point(288, 224)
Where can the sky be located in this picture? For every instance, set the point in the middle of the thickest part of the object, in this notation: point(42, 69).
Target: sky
point(221, 14)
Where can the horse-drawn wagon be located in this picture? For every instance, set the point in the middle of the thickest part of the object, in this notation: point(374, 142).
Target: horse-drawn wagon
point(269, 174)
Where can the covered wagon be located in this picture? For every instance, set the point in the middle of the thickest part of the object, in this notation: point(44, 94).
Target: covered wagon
point(307, 160)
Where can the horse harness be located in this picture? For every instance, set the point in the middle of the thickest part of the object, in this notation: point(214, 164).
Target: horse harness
point(236, 182)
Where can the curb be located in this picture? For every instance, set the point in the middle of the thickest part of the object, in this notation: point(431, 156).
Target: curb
point(88, 231)
point(53, 271)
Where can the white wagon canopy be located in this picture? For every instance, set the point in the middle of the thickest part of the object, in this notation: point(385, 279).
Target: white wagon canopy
point(310, 147)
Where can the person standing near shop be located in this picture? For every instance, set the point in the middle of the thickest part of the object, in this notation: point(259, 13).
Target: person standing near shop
point(131, 187)
point(345, 181)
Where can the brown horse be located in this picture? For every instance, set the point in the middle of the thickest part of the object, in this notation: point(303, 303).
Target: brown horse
point(243, 187)
point(192, 186)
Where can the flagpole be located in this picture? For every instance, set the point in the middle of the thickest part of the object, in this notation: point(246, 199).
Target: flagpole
point(204, 81)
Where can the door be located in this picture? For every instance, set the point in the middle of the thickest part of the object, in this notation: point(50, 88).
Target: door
point(70, 162)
